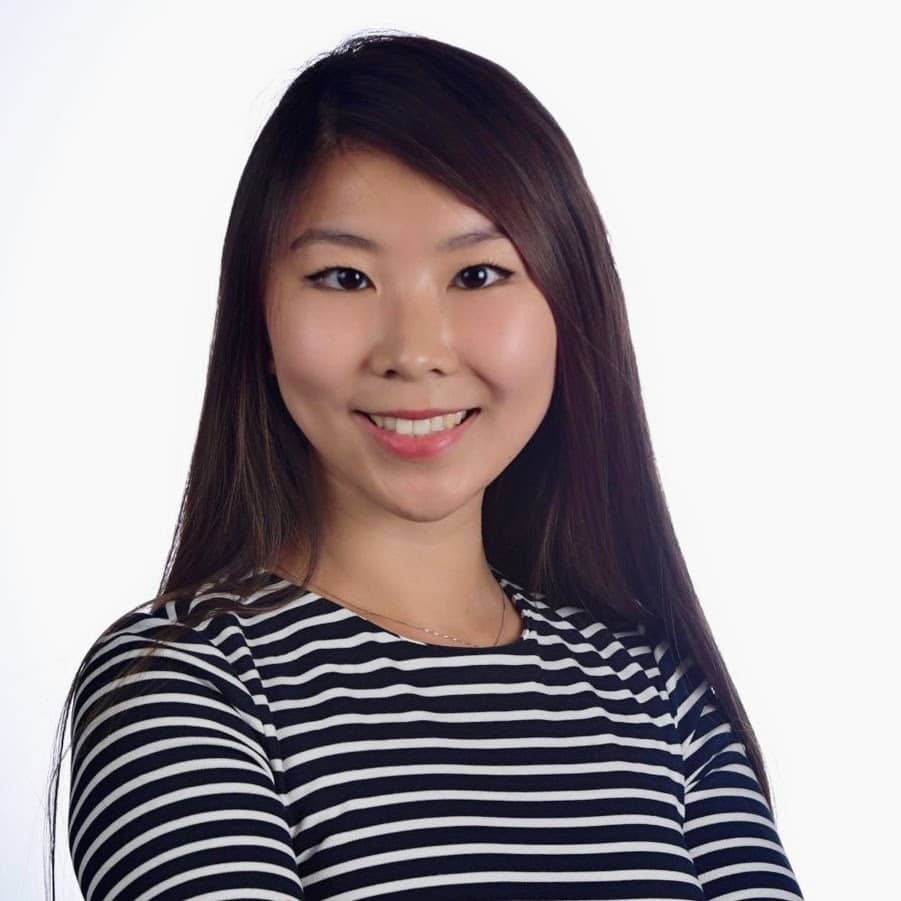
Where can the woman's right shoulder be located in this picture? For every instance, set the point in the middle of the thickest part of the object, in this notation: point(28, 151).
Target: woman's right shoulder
point(134, 633)
point(178, 623)
point(152, 645)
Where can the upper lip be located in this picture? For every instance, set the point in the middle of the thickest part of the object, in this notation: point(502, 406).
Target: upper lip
point(414, 414)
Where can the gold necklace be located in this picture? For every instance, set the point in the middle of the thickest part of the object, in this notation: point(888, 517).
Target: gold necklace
point(422, 628)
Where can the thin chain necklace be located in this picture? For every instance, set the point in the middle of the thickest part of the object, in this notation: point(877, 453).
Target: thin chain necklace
point(422, 628)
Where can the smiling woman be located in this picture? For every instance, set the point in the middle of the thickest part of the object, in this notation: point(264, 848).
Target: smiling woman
point(425, 630)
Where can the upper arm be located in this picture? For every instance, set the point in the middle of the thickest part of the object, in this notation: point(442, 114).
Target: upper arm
point(729, 827)
point(171, 794)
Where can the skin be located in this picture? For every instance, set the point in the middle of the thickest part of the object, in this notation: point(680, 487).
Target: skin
point(411, 327)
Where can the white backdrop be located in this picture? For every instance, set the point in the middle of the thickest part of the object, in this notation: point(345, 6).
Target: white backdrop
point(745, 159)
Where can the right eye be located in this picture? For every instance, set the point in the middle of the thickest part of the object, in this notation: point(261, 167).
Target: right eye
point(343, 284)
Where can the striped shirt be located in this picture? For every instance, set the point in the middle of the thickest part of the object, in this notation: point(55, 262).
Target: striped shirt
point(309, 753)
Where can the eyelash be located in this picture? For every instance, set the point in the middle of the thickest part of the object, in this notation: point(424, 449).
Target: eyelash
point(317, 277)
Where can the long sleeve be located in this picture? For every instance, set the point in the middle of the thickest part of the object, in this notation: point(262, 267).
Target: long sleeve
point(729, 827)
point(172, 795)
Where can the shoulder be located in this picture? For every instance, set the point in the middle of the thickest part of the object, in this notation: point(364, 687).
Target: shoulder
point(631, 643)
point(185, 647)
point(638, 651)
point(199, 623)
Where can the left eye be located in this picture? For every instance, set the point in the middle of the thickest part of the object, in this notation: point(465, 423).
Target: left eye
point(482, 267)
point(348, 279)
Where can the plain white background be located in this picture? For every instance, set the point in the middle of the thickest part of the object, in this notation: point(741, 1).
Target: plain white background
point(745, 159)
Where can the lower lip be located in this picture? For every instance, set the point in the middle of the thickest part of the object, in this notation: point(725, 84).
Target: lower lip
point(411, 447)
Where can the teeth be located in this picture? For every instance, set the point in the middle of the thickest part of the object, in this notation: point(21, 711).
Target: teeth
point(418, 426)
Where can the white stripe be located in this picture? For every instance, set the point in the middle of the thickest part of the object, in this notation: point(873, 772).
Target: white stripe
point(510, 744)
point(403, 773)
point(511, 689)
point(422, 852)
point(755, 867)
point(753, 894)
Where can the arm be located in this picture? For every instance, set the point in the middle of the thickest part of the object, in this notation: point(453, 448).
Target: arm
point(172, 795)
point(729, 827)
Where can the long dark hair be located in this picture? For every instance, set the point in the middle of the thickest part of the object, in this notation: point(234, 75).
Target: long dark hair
point(579, 516)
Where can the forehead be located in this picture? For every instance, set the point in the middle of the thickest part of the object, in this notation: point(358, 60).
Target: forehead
point(373, 193)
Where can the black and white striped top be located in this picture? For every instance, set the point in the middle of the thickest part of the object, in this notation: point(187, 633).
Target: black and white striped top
point(308, 753)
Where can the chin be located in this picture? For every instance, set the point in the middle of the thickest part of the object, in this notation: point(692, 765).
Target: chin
point(433, 505)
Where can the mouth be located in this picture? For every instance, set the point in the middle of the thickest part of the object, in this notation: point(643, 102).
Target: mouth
point(414, 440)
point(402, 425)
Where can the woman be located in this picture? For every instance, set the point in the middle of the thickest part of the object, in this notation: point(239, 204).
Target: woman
point(425, 631)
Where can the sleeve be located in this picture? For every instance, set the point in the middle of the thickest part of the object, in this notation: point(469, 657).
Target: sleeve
point(172, 795)
point(729, 827)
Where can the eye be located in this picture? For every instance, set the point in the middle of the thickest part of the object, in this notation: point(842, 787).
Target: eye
point(348, 279)
point(480, 268)
point(350, 284)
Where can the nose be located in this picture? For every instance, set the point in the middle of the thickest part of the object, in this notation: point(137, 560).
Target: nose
point(414, 335)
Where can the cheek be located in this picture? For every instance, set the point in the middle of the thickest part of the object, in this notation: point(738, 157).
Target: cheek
point(312, 351)
point(520, 353)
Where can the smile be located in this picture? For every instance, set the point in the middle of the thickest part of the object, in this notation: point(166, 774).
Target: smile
point(413, 439)
point(420, 427)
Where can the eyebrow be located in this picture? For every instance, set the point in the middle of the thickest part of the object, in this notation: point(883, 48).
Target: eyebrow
point(346, 239)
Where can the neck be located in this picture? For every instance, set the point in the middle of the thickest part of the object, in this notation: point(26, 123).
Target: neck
point(433, 573)
point(435, 597)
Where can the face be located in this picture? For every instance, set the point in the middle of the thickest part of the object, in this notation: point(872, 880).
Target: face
point(397, 318)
